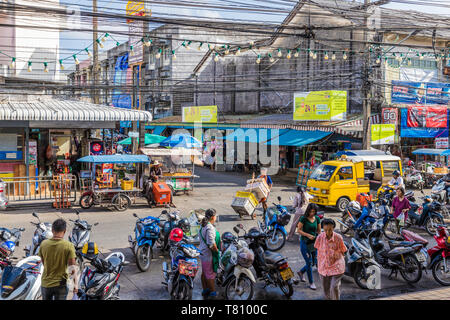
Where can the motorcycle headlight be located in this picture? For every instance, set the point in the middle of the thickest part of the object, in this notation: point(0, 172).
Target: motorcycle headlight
point(191, 252)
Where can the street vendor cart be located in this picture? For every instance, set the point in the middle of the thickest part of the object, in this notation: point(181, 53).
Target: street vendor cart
point(107, 188)
point(178, 167)
point(431, 170)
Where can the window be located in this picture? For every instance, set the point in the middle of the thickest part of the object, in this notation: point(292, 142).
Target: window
point(323, 172)
point(345, 173)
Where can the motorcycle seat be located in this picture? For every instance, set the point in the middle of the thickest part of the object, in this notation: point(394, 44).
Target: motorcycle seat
point(115, 261)
point(409, 194)
point(272, 257)
point(395, 243)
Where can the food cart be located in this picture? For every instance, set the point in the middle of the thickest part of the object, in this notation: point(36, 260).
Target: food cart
point(432, 170)
point(178, 166)
point(106, 188)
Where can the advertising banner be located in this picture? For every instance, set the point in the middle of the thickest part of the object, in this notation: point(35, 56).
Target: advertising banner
point(441, 143)
point(206, 114)
point(120, 98)
point(330, 105)
point(389, 115)
point(419, 132)
point(382, 133)
point(427, 117)
point(408, 92)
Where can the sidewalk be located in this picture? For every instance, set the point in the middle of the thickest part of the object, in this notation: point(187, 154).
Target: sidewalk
point(434, 294)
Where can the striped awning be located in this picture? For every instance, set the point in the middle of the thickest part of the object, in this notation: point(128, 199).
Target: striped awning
point(68, 110)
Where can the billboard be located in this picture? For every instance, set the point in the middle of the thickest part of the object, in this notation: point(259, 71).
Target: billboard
point(330, 105)
point(382, 134)
point(427, 117)
point(207, 114)
point(409, 92)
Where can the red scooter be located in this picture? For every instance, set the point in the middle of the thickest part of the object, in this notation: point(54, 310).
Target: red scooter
point(439, 254)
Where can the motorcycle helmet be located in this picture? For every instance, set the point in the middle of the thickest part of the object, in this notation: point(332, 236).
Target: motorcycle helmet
point(245, 257)
point(90, 250)
point(184, 225)
point(227, 237)
point(176, 235)
point(396, 173)
point(354, 205)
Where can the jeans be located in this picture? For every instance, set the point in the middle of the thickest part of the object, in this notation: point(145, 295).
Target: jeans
point(310, 259)
point(55, 293)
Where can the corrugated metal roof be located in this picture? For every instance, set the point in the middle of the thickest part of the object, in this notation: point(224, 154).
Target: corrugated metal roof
point(67, 110)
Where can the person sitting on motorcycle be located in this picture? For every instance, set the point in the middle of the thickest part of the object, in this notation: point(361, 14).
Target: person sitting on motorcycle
point(396, 181)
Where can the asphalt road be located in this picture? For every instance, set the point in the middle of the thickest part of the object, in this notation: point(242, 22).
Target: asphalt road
point(212, 190)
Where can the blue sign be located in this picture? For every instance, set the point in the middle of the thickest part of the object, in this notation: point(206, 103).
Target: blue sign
point(121, 99)
point(409, 132)
point(408, 92)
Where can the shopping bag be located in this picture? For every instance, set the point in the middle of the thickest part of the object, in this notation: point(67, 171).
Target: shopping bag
point(401, 219)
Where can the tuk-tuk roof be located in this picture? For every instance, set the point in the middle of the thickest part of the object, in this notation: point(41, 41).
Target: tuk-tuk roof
point(384, 157)
point(116, 158)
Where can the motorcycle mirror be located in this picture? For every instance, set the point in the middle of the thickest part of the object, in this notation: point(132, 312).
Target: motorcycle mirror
point(166, 206)
point(77, 212)
point(125, 263)
point(164, 212)
point(135, 215)
point(22, 229)
point(34, 214)
point(240, 226)
point(236, 229)
point(279, 198)
point(422, 191)
point(96, 224)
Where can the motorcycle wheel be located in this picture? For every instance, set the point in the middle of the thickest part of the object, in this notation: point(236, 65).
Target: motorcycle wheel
point(183, 292)
point(358, 276)
point(244, 289)
point(413, 268)
point(86, 201)
point(445, 213)
point(390, 230)
point(286, 287)
point(439, 274)
point(143, 257)
point(430, 224)
point(121, 202)
point(80, 263)
point(277, 243)
point(342, 228)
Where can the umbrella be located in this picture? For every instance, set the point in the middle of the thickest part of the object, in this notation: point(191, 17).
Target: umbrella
point(149, 139)
point(181, 140)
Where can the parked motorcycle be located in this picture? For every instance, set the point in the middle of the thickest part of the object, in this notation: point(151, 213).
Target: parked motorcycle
point(271, 267)
point(422, 256)
point(9, 240)
point(146, 233)
point(439, 256)
point(397, 257)
point(23, 281)
point(427, 215)
point(43, 231)
point(3, 199)
point(80, 235)
point(439, 192)
point(99, 280)
point(389, 193)
point(173, 219)
point(361, 265)
point(234, 273)
point(274, 221)
point(179, 275)
point(414, 179)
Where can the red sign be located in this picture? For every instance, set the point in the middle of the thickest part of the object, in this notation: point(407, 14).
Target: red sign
point(441, 143)
point(427, 117)
point(389, 115)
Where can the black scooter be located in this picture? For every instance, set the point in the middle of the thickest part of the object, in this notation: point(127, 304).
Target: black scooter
point(80, 235)
point(271, 267)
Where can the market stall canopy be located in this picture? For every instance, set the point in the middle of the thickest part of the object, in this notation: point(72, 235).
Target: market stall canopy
point(68, 110)
point(159, 129)
point(181, 141)
point(298, 138)
point(116, 158)
point(149, 139)
point(254, 135)
point(170, 152)
point(433, 152)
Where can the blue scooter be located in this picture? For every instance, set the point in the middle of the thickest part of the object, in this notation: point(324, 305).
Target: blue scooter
point(9, 240)
point(146, 232)
point(274, 221)
point(179, 275)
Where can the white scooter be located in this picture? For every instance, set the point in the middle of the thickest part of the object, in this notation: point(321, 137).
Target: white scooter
point(23, 281)
point(43, 231)
point(3, 199)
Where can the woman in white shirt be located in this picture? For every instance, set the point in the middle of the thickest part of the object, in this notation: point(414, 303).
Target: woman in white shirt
point(300, 203)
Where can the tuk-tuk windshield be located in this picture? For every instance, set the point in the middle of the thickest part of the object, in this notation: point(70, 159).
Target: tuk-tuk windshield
point(389, 167)
point(323, 172)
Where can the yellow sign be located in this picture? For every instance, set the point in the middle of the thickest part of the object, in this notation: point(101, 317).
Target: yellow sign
point(135, 8)
point(200, 114)
point(382, 134)
point(330, 105)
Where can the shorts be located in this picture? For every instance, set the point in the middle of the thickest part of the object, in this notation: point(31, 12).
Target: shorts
point(207, 269)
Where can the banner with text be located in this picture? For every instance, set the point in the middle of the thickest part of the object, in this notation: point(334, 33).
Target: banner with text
point(330, 105)
point(204, 114)
point(408, 92)
point(382, 134)
point(441, 143)
point(427, 117)
point(389, 115)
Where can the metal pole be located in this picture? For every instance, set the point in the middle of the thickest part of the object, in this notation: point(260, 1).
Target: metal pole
point(366, 86)
point(27, 158)
point(95, 49)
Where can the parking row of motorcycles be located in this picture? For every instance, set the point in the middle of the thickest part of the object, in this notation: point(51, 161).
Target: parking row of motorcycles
point(406, 252)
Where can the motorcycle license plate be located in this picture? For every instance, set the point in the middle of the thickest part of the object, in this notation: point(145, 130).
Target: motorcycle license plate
point(287, 274)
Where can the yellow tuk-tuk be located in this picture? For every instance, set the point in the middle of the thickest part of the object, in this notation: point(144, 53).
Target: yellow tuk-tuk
point(337, 182)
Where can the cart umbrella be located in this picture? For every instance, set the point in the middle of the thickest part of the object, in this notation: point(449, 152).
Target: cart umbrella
point(149, 139)
point(116, 158)
point(181, 140)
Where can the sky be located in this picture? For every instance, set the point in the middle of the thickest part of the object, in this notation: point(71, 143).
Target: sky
point(72, 41)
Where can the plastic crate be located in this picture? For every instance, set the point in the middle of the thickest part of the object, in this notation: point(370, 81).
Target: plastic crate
point(249, 195)
point(126, 184)
point(259, 189)
point(243, 206)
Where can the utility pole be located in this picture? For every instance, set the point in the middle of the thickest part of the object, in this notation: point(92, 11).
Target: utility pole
point(366, 84)
point(95, 49)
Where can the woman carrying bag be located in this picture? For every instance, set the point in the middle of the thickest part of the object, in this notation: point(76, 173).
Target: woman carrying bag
point(309, 227)
point(301, 201)
point(210, 253)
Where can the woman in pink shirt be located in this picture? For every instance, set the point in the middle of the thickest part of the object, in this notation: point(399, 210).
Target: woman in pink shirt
point(330, 259)
point(400, 204)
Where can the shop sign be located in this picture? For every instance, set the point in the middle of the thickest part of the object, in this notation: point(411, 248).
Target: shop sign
point(441, 143)
point(206, 114)
point(32, 152)
point(389, 115)
point(330, 105)
point(382, 134)
point(133, 134)
point(96, 147)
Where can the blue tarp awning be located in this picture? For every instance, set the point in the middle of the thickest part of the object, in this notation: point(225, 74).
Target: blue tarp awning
point(116, 158)
point(360, 153)
point(432, 152)
point(254, 135)
point(159, 129)
point(298, 138)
